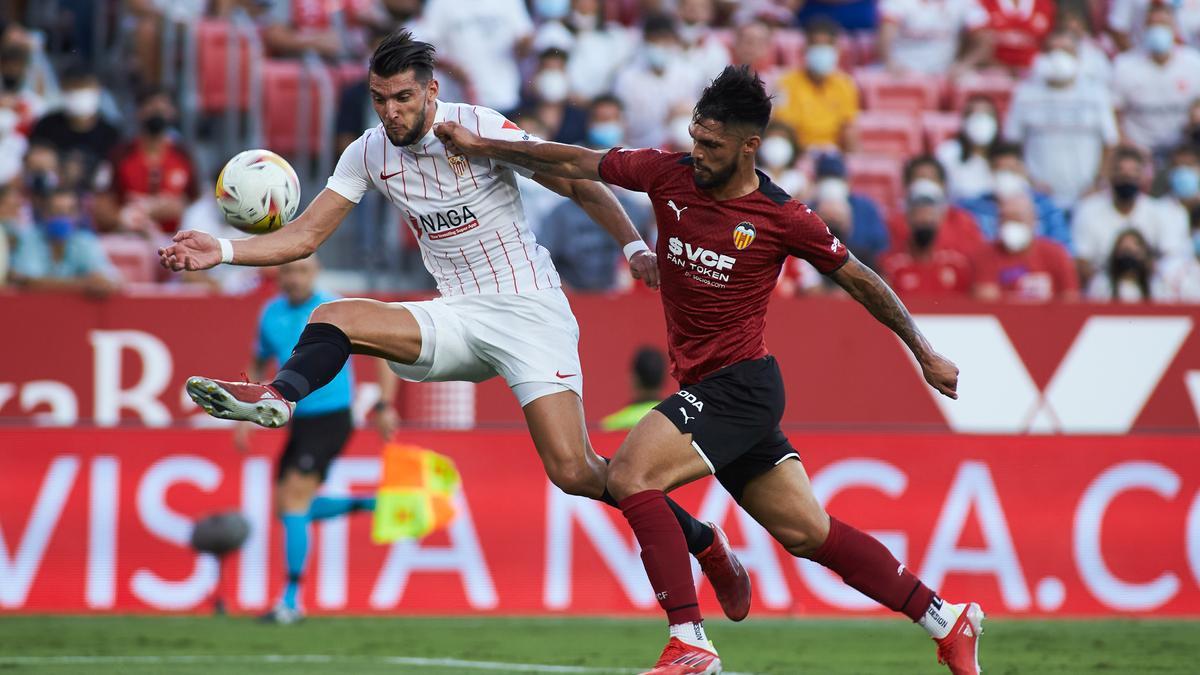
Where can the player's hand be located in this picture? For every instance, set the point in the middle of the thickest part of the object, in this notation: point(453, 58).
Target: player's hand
point(941, 374)
point(385, 420)
point(241, 436)
point(457, 139)
point(644, 266)
point(190, 251)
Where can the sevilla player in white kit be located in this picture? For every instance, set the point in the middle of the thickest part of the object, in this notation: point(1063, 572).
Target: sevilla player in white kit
point(501, 310)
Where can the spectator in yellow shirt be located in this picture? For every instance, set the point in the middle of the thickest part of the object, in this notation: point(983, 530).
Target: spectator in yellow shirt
point(820, 102)
point(649, 369)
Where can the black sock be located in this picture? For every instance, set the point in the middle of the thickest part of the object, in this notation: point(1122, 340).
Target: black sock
point(317, 358)
point(698, 535)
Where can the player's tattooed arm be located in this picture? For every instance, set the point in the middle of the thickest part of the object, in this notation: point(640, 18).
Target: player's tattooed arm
point(872, 292)
point(544, 157)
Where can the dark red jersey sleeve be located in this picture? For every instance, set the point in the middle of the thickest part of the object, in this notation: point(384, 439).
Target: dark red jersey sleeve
point(641, 170)
point(808, 237)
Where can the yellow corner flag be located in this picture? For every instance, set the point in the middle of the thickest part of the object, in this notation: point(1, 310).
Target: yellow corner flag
point(416, 495)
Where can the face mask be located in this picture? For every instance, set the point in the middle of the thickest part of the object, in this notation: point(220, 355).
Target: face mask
point(922, 237)
point(776, 151)
point(679, 132)
point(552, 86)
point(832, 190)
point(82, 103)
point(1159, 39)
point(552, 9)
point(1127, 263)
point(10, 82)
point(585, 22)
point(658, 56)
point(821, 59)
point(1185, 182)
point(1125, 190)
point(606, 134)
point(1015, 236)
point(155, 124)
point(58, 229)
point(1057, 67)
point(980, 128)
point(8, 121)
point(1008, 183)
point(923, 187)
point(692, 32)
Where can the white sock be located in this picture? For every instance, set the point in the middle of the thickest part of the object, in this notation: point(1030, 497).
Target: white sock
point(940, 617)
point(691, 633)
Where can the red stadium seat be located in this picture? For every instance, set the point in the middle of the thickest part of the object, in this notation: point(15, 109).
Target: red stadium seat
point(878, 178)
point(133, 257)
point(889, 133)
point(938, 126)
point(212, 45)
point(282, 81)
point(789, 47)
point(996, 86)
point(886, 91)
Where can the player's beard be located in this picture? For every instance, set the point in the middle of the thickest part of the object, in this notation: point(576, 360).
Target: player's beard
point(714, 178)
point(413, 134)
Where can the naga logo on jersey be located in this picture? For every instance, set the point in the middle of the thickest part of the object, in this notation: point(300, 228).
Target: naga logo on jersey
point(743, 235)
point(444, 224)
point(700, 263)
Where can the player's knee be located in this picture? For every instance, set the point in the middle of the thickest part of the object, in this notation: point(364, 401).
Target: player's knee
point(804, 538)
point(626, 479)
point(339, 313)
point(576, 478)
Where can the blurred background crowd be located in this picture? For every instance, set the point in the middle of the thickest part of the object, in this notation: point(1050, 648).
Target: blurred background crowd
point(1025, 150)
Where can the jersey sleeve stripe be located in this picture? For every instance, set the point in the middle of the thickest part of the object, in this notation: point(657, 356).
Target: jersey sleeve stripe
point(508, 260)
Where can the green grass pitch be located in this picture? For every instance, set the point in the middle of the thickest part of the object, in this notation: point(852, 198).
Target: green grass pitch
point(185, 645)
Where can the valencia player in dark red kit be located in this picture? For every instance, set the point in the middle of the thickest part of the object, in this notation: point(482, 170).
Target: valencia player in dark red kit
point(724, 232)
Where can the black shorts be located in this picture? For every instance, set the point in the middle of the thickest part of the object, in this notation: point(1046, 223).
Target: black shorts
point(314, 441)
point(733, 416)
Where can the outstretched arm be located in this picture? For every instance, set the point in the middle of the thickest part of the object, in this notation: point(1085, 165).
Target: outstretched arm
point(602, 207)
point(873, 293)
point(300, 238)
point(544, 157)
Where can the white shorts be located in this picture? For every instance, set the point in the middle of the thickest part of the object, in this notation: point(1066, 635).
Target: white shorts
point(529, 339)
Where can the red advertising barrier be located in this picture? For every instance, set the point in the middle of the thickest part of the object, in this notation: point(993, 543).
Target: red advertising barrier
point(1072, 369)
point(96, 521)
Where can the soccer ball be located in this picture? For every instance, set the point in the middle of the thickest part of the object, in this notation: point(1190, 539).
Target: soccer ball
point(258, 191)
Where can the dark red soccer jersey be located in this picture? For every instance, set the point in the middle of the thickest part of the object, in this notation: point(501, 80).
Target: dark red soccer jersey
point(719, 259)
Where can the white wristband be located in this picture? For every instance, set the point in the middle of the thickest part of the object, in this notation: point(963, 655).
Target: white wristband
point(631, 249)
point(226, 250)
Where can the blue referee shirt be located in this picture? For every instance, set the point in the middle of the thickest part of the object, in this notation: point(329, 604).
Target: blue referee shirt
point(279, 329)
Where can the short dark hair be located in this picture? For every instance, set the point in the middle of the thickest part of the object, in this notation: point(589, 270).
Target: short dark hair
point(79, 74)
point(649, 367)
point(658, 24)
point(736, 97)
point(606, 99)
point(1124, 152)
point(1005, 149)
point(911, 166)
point(822, 25)
point(400, 52)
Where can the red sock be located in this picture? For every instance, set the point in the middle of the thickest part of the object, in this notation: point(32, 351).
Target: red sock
point(868, 567)
point(664, 553)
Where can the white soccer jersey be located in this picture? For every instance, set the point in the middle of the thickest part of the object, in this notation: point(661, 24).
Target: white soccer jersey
point(465, 212)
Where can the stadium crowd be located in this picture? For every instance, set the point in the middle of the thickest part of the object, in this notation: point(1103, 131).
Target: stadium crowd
point(1025, 150)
